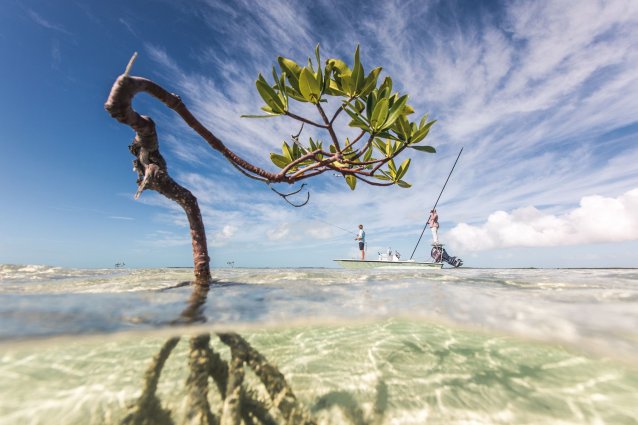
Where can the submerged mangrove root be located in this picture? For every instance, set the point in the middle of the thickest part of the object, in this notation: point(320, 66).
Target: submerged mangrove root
point(280, 392)
point(240, 404)
point(231, 411)
point(199, 412)
point(148, 409)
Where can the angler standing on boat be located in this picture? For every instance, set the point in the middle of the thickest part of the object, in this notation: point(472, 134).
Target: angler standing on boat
point(361, 237)
point(433, 222)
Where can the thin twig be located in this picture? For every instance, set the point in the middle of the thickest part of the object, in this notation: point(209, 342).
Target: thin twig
point(307, 121)
point(127, 71)
point(286, 195)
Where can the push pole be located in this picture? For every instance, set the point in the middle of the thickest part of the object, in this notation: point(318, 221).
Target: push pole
point(437, 202)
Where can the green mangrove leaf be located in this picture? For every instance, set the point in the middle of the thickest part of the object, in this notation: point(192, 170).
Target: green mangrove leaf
point(371, 102)
point(403, 169)
point(396, 111)
point(269, 96)
point(259, 116)
point(389, 151)
point(319, 73)
point(279, 161)
point(296, 150)
point(352, 181)
point(404, 126)
point(404, 185)
point(292, 71)
point(383, 176)
point(370, 82)
point(348, 85)
point(281, 87)
point(393, 169)
point(380, 144)
point(407, 110)
point(428, 149)
point(384, 93)
point(384, 134)
point(356, 66)
point(386, 84)
point(350, 109)
point(332, 88)
point(285, 149)
point(379, 115)
point(359, 124)
point(317, 54)
point(275, 77)
point(309, 86)
point(368, 155)
point(269, 111)
point(358, 74)
point(291, 92)
point(422, 132)
point(348, 147)
point(340, 67)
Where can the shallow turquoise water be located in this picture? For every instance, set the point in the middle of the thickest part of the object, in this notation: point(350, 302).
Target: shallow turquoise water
point(451, 347)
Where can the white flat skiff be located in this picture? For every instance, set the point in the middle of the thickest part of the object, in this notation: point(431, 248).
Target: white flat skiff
point(385, 264)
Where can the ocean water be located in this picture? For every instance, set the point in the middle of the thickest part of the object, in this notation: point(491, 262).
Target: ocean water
point(449, 346)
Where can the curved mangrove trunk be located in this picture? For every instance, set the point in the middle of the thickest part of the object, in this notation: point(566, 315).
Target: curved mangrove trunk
point(151, 166)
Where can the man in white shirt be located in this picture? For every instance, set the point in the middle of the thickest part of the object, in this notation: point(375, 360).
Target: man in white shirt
point(361, 237)
point(433, 221)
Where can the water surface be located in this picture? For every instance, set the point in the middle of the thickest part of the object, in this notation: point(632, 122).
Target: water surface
point(450, 346)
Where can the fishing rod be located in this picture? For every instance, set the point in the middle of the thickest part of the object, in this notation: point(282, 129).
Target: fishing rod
point(437, 202)
point(285, 196)
point(334, 225)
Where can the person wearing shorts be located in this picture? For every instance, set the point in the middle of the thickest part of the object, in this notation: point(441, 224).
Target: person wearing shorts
point(361, 237)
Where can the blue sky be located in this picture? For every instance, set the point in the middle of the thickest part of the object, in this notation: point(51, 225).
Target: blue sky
point(542, 96)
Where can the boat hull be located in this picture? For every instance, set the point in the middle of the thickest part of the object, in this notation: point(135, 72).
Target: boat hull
point(378, 264)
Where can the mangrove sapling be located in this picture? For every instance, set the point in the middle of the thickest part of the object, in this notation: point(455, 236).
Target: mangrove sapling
point(377, 115)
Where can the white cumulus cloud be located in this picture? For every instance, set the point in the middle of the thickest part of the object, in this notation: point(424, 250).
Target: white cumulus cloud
point(224, 235)
point(278, 233)
point(597, 219)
